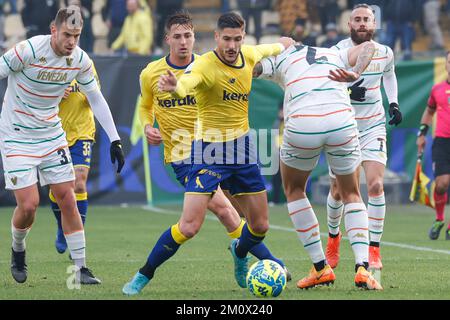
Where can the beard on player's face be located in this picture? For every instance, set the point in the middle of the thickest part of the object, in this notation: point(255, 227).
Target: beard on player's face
point(361, 35)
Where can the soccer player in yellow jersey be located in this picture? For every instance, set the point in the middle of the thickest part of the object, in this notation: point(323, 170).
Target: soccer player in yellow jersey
point(176, 119)
point(221, 152)
point(78, 123)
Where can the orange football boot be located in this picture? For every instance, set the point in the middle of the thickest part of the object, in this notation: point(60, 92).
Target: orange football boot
point(317, 278)
point(375, 258)
point(364, 279)
point(332, 253)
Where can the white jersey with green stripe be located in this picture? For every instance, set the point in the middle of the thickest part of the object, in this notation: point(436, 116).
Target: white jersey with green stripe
point(302, 72)
point(370, 114)
point(37, 78)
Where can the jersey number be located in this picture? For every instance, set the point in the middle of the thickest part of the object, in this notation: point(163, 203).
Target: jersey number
point(86, 149)
point(311, 56)
point(63, 155)
point(381, 144)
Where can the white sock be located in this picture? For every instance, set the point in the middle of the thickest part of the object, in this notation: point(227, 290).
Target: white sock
point(77, 247)
point(376, 210)
point(357, 227)
point(18, 238)
point(334, 214)
point(307, 227)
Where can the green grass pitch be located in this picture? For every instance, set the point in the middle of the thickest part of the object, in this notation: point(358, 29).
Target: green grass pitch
point(120, 238)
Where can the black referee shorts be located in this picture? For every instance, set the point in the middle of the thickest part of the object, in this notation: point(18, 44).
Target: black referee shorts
point(441, 156)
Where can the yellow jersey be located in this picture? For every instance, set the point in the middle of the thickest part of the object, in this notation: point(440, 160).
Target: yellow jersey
point(222, 91)
point(76, 115)
point(176, 117)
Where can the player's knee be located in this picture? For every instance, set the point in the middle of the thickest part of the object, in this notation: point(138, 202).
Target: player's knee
point(67, 200)
point(190, 229)
point(80, 187)
point(223, 212)
point(351, 195)
point(260, 227)
point(334, 191)
point(29, 207)
point(293, 191)
point(376, 187)
point(441, 187)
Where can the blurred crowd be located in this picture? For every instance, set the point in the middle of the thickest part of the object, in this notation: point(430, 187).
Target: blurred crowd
point(136, 27)
point(323, 22)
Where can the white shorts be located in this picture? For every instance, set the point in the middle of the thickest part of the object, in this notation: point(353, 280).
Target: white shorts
point(25, 159)
point(331, 128)
point(373, 148)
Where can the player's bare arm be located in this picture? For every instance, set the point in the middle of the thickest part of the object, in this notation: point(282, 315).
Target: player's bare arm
point(364, 53)
point(359, 57)
point(257, 70)
point(427, 119)
point(286, 42)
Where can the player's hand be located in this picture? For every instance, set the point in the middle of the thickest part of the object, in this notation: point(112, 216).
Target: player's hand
point(153, 135)
point(67, 92)
point(167, 82)
point(286, 42)
point(356, 92)
point(342, 75)
point(395, 114)
point(117, 154)
point(421, 142)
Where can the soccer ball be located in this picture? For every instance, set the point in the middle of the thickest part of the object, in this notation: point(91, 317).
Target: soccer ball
point(266, 278)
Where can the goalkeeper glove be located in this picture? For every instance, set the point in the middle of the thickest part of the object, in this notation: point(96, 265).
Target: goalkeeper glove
point(117, 154)
point(395, 114)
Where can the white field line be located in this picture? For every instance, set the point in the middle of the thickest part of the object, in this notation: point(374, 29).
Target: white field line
point(275, 227)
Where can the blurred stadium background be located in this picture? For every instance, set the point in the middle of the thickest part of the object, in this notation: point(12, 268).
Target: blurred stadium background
point(130, 232)
point(119, 73)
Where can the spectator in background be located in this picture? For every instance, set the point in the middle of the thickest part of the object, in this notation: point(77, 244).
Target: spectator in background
point(12, 5)
point(253, 8)
point(87, 37)
point(165, 8)
point(327, 10)
point(400, 16)
point(301, 34)
point(431, 12)
point(114, 13)
point(333, 37)
point(290, 11)
point(380, 3)
point(37, 16)
point(224, 6)
point(136, 36)
point(2, 26)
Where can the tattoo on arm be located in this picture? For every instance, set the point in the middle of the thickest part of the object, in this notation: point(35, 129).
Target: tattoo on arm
point(364, 57)
point(257, 70)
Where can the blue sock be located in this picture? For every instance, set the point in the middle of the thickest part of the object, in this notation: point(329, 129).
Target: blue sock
point(261, 252)
point(57, 213)
point(83, 208)
point(247, 241)
point(165, 248)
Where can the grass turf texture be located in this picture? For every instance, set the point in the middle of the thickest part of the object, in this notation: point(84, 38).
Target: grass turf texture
point(119, 240)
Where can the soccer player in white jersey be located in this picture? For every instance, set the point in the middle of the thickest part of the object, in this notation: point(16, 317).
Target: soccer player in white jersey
point(32, 141)
point(371, 120)
point(318, 116)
